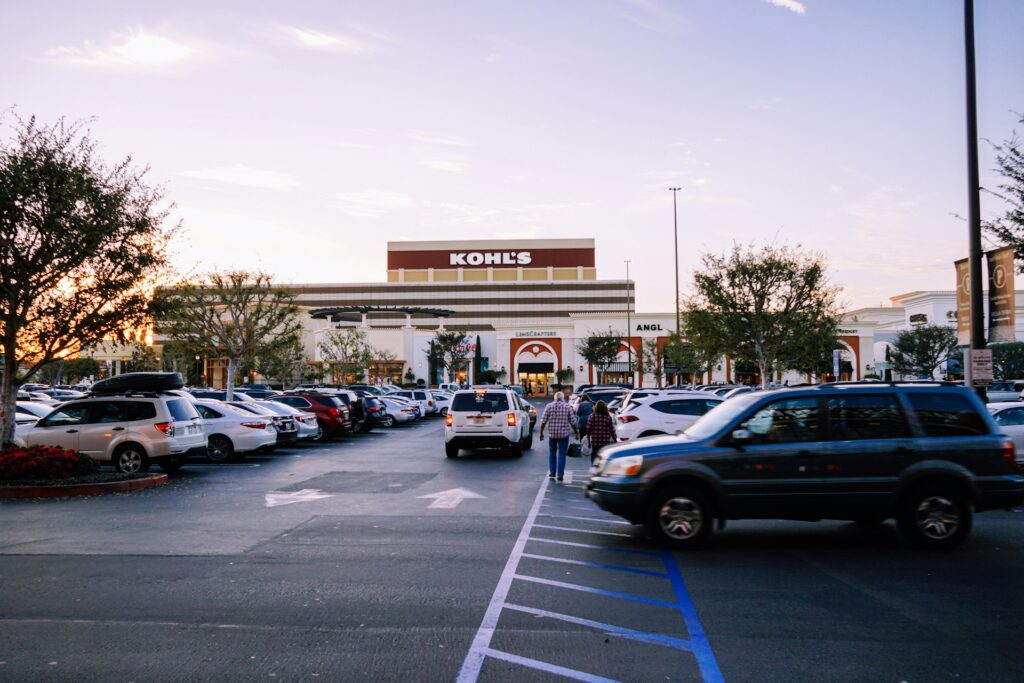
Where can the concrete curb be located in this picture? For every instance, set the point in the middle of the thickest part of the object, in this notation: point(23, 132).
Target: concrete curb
point(75, 490)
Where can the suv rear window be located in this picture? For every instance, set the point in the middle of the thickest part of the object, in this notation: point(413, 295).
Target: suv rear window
point(329, 401)
point(480, 403)
point(181, 410)
point(947, 415)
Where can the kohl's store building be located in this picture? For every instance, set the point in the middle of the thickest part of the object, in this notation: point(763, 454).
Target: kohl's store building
point(527, 302)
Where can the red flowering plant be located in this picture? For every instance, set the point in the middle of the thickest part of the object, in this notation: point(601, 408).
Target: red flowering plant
point(44, 462)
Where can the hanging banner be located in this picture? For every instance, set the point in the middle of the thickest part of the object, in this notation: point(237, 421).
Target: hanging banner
point(963, 302)
point(1001, 296)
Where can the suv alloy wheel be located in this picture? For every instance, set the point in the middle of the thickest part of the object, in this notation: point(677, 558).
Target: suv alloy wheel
point(131, 459)
point(679, 517)
point(935, 517)
point(219, 448)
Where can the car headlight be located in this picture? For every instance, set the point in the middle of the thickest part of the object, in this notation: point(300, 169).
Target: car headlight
point(626, 466)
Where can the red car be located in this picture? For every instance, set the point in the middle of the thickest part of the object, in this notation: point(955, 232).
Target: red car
point(332, 414)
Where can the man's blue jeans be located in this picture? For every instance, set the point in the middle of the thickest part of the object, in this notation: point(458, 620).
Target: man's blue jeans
point(561, 446)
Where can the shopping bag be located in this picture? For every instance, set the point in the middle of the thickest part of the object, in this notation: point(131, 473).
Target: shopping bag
point(574, 449)
point(585, 449)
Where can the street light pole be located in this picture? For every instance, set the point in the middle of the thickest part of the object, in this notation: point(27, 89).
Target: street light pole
point(629, 327)
point(675, 233)
point(973, 194)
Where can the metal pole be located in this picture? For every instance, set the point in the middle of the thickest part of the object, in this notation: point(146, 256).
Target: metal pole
point(629, 327)
point(675, 233)
point(973, 192)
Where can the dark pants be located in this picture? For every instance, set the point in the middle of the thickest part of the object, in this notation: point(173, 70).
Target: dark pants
point(559, 446)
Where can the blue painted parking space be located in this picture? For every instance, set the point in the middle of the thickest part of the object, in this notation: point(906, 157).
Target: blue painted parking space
point(578, 579)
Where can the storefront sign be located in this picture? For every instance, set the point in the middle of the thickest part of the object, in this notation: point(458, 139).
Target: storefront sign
point(981, 367)
point(489, 258)
point(963, 302)
point(534, 334)
point(655, 327)
point(1001, 296)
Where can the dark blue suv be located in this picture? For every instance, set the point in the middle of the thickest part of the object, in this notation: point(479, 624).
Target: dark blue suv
point(926, 454)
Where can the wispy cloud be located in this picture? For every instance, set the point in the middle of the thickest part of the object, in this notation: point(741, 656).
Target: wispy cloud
point(373, 203)
point(654, 15)
point(245, 176)
point(447, 165)
point(135, 48)
point(433, 137)
point(791, 5)
point(313, 39)
point(766, 104)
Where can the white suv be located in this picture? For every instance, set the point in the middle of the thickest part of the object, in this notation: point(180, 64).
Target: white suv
point(129, 430)
point(487, 418)
point(661, 413)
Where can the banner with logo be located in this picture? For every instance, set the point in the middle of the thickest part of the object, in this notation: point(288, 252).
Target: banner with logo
point(1001, 295)
point(963, 302)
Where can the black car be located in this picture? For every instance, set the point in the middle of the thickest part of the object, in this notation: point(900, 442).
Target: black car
point(927, 454)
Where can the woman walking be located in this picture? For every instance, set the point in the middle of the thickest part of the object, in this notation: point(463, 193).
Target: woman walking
point(600, 429)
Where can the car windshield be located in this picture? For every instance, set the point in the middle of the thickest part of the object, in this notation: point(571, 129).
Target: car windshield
point(716, 419)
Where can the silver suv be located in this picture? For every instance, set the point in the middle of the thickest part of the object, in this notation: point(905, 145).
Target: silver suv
point(130, 430)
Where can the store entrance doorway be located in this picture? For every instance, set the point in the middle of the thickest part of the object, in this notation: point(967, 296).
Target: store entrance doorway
point(536, 383)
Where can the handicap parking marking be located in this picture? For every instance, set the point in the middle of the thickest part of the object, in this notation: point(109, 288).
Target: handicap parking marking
point(696, 643)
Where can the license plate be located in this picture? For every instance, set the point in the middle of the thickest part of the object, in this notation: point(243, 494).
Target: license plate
point(478, 420)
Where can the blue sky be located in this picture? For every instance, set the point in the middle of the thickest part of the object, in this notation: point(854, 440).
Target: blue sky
point(300, 138)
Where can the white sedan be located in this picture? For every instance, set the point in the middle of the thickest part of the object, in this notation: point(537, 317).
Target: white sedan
point(232, 431)
point(660, 415)
point(1009, 415)
point(304, 422)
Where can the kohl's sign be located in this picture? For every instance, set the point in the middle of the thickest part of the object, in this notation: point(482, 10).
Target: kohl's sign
point(489, 258)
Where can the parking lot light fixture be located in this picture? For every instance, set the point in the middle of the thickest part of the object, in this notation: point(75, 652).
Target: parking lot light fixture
point(675, 232)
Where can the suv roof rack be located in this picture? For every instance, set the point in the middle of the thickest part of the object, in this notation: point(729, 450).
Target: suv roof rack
point(882, 383)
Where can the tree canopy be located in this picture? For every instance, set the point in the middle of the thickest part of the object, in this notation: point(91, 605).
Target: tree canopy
point(235, 314)
point(1009, 228)
point(600, 349)
point(82, 244)
point(762, 304)
point(920, 351)
point(449, 350)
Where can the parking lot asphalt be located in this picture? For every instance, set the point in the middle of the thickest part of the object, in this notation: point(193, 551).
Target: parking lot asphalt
point(377, 558)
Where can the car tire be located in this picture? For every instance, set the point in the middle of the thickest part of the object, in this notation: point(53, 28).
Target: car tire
point(321, 433)
point(516, 449)
point(935, 517)
point(528, 444)
point(130, 459)
point(219, 448)
point(444, 412)
point(451, 451)
point(650, 432)
point(387, 421)
point(680, 517)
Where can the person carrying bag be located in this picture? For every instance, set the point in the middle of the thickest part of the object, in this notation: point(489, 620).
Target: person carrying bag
point(600, 431)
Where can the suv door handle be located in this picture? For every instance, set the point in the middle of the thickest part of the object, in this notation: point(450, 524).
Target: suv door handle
point(72, 431)
point(117, 429)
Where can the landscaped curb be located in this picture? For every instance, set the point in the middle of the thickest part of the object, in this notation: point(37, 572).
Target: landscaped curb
point(73, 490)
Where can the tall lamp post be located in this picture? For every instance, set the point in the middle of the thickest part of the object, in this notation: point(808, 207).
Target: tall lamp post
point(629, 326)
point(973, 198)
point(675, 233)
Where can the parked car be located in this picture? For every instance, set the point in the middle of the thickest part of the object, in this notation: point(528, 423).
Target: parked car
point(305, 423)
point(412, 403)
point(442, 399)
point(487, 418)
point(927, 454)
point(739, 391)
point(332, 415)
point(221, 395)
point(427, 404)
point(659, 414)
point(1005, 390)
point(287, 432)
point(231, 432)
point(401, 412)
point(258, 394)
point(32, 409)
point(1009, 415)
point(61, 394)
point(128, 430)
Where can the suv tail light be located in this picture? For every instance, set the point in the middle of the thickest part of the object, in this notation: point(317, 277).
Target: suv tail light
point(372, 409)
point(448, 420)
point(255, 425)
point(333, 412)
point(1010, 454)
point(628, 418)
point(166, 427)
point(511, 419)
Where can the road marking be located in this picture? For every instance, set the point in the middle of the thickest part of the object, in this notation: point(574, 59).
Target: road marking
point(277, 498)
point(581, 531)
point(701, 647)
point(544, 666)
point(595, 565)
point(220, 466)
point(613, 549)
point(588, 519)
point(482, 641)
point(596, 591)
point(450, 499)
point(622, 632)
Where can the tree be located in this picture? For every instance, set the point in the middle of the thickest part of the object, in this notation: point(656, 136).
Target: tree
point(761, 304)
point(811, 353)
point(81, 245)
point(450, 350)
point(237, 314)
point(285, 363)
point(600, 349)
point(346, 352)
point(144, 359)
point(180, 356)
point(69, 370)
point(650, 361)
point(690, 356)
point(1008, 360)
point(1009, 228)
point(920, 351)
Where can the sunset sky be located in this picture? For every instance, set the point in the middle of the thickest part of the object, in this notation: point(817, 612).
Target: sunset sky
point(301, 137)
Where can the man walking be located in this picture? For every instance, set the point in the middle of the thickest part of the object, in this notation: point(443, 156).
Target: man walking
point(560, 421)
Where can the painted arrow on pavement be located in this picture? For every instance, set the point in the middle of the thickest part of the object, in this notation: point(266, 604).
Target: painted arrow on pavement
point(276, 498)
point(450, 499)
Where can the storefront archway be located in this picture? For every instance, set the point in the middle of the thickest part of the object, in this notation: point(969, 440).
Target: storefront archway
point(534, 367)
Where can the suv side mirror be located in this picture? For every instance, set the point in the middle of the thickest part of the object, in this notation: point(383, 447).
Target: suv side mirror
point(741, 435)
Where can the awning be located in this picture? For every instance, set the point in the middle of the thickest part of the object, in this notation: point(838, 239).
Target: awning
point(536, 367)
point(619, 367)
